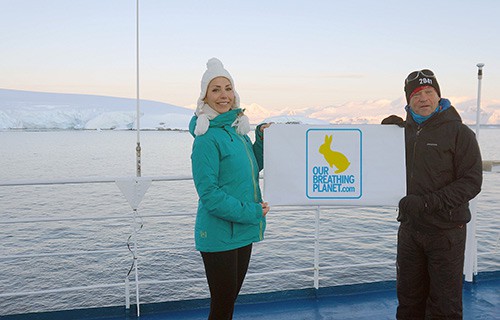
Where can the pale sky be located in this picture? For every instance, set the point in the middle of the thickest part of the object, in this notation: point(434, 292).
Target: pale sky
point(282, 54)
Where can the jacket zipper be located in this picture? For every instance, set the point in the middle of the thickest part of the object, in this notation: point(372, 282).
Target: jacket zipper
point(419, 129)
point(230, 137)
point(252, 167)
point(261, 224)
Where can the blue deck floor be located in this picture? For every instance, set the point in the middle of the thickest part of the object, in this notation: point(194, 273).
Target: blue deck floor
point(376, 301)
point(380, 305)
point(480, 302)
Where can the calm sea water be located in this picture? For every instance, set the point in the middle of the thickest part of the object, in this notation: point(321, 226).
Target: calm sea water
point(66, 154)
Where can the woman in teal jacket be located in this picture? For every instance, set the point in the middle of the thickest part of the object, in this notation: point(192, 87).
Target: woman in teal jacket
point(231, 213)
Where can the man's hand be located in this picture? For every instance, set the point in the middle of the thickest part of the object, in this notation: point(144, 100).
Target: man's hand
point(412, 206)
point(394, 119)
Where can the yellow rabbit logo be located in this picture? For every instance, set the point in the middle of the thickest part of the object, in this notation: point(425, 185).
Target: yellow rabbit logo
point(334, 158)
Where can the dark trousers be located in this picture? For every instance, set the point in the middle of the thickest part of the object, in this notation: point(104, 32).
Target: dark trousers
point(225, 272)
point(430, 274)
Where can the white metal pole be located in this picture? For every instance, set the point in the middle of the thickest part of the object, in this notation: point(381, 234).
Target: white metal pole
point(127, 293)
point(470, 263)
point(138, 156)
point(138, 109)
point(316, 250)
point(478, 109)
point(136, 266)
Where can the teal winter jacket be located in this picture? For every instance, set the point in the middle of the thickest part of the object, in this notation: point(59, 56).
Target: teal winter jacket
point(226, 177)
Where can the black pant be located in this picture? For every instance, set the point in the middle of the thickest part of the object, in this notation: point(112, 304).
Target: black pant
point(225, 272)
point(430, 274)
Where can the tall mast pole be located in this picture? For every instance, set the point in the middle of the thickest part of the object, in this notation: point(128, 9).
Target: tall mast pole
point(138, 111)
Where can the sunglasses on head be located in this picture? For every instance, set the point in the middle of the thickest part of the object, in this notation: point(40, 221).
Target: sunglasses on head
point(414, 75)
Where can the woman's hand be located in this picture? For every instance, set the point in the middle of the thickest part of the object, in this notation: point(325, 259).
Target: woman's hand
point(265, 208)
point(259, 131)
point(265, 125)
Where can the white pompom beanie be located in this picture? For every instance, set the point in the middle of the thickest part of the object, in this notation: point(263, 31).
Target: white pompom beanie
point(204, 112)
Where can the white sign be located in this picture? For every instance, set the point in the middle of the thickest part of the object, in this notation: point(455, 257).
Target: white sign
point(358, 165)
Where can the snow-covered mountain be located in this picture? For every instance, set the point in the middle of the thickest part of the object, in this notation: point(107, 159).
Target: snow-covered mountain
point(373, 111)
point(40, 110)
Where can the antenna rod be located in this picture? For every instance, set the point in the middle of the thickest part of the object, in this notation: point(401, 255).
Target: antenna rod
point(478, 109)
point(138, 112)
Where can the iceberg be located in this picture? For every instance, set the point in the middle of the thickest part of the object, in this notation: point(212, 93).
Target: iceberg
point(58, 111)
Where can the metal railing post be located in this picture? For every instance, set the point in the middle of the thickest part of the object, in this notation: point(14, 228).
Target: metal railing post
point(316, 249)
point(137, 298)
point(127, 294)
point(470, 254)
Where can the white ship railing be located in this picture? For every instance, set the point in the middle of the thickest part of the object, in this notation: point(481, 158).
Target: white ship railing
point(316, 238)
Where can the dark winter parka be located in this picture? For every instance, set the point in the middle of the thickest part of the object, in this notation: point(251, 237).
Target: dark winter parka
point(444, 166)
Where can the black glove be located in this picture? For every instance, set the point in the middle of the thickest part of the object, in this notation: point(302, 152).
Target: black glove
point(394, 119)
point(411, 206)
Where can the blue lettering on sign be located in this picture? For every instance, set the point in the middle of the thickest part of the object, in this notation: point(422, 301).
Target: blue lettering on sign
point(320, 170)
point(325, 182)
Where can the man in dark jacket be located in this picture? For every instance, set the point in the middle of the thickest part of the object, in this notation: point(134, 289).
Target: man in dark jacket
point(443, 172)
